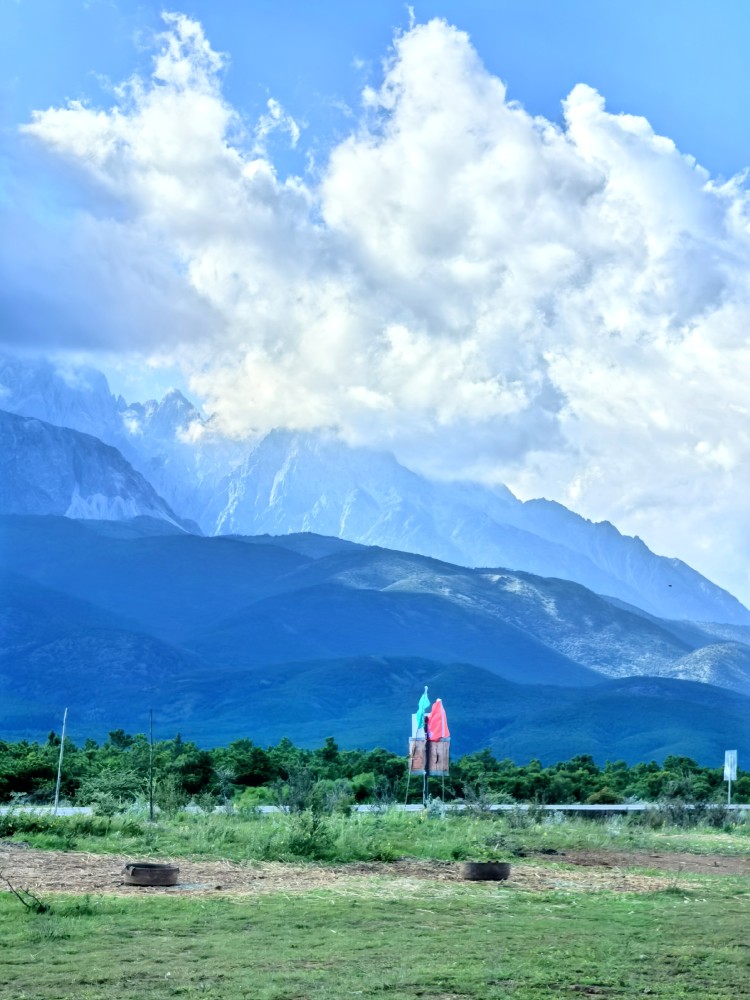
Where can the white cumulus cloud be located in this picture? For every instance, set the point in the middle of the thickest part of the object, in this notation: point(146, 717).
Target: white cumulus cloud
point(562, 308)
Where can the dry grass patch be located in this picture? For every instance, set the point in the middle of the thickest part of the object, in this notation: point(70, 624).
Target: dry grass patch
point(78, 872)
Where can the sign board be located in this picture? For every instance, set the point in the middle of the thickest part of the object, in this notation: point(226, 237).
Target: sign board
point(730, 765)
point(435, 756)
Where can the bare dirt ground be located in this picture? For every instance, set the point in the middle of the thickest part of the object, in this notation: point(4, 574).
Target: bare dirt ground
point(74, 872)
point(667, 861)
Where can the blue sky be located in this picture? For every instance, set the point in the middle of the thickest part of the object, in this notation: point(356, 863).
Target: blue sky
point(508, 241)
point(681, 63)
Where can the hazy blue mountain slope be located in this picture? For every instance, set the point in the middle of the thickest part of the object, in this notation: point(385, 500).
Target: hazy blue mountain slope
point(718, 654)
point(54, 470)
point(135, 527)
point(633, 719)
point(311, 482)
point(563, 616)
point(252, 603)
point(666, 587)
point(585, 627)
point(56, 651)
point(355, 697)
point(171, 584)
point(728, 633)
point(102, 669)
point(367, 701)
point(332, 621)
point(693, 634)
point(305, 543)
point(102, 676)
point(724, 663)
point(31, 614)
point(226, 637)
point(294, 482)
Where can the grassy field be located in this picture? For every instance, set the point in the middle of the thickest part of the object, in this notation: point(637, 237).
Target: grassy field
point(478, 941)
point(442, 940)
point(362, 837)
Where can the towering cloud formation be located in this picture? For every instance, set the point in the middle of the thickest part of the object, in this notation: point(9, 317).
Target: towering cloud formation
point(491, 295)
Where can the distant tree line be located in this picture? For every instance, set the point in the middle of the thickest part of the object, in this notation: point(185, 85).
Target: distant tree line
point(114, 773)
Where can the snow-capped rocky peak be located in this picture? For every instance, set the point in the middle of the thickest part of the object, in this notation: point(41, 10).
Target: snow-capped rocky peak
point(314, 482)
point(56, 470)
point(164, 420)
point(76, 397)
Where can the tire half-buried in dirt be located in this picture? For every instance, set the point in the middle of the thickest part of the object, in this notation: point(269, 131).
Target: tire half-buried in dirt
point(485, 871)
point(147, 873)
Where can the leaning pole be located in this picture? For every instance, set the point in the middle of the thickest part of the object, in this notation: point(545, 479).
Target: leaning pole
point(59, 763)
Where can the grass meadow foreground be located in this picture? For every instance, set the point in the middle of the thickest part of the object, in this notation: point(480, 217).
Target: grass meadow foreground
point(377, 931)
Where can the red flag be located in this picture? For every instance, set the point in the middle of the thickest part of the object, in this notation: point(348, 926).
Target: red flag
point(437, 723)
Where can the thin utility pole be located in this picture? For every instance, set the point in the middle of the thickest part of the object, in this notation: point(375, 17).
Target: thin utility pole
point(151, 765)
point(59, 764)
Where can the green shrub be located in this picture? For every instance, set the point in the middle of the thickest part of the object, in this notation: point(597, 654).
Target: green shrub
point(14, 822)
point(604, 797)
point(310, 837)
point(295, 795)
point(251, 798)
point(120, 785)
point(169, 795)
point(106, 805)
point(332, 796)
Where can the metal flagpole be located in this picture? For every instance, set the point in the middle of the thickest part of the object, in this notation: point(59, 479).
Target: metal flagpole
point(425, 780)
point(59, 764)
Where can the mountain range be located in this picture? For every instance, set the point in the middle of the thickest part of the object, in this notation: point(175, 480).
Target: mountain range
point(146, 562)
point(295, 482)
point(305, 635)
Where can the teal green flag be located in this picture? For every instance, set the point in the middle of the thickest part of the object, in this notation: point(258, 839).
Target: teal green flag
point(422, 709)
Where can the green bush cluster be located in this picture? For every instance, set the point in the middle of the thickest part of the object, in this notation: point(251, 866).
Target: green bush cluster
point(113, 774)
point(581, 779)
